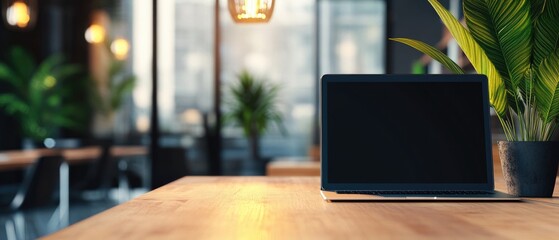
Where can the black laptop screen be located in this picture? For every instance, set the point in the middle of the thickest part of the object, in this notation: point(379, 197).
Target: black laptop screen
point(405, 132)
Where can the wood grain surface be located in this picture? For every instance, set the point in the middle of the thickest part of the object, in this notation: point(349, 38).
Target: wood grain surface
point(291, 208)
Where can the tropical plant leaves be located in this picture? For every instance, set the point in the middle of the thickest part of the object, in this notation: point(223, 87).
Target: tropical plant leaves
point(477, 56)
point(547, 88)
point(432, 52)
point(13, 105)
point(537, 8)
point(66, 71)
point(22, 61)
point(546, 29)
point(8, 75)
point(503, 30)
point(479, 21)
point(39, 102)
point(252, 105)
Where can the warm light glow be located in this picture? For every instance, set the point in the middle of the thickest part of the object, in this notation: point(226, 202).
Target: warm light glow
point(251, 10)
point(142, 124)
point(95, 34)
point(18, 15)
point(120, 48)
point(191, 116)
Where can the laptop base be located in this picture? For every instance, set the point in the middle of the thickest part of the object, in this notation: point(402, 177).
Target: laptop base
point(333, 196)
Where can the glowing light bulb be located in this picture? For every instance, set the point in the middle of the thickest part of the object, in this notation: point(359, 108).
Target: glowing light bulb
point(251, 11)
point(18, 15)
point(95, 34)
point(120, 48)
point(251, 8)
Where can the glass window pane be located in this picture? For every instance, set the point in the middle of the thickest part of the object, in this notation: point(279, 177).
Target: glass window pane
point(282, 52)
point(352, 36)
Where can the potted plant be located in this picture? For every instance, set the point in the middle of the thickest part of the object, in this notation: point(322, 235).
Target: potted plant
point(107, 97)
point(252, 105)
point(516, 44)
point(42, 95)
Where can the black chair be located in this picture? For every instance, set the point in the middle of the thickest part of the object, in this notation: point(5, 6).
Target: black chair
point(37, 190)
point(10, 180)
point(103, 174)
point(99, 173)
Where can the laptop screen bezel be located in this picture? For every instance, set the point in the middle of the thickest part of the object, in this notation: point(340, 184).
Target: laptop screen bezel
point(439, 78)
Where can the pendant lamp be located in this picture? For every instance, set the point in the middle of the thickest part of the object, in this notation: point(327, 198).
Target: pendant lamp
point(251, 11)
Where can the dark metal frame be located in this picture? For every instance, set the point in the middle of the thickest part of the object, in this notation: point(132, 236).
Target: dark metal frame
point(154, 129)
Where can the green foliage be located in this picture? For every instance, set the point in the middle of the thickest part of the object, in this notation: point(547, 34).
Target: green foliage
point(514, 43)
point(252, 105)
point(120, 85)
point(432, 52)
point(41, 96)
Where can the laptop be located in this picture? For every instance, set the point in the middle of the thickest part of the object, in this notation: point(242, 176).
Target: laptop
point(406, 137)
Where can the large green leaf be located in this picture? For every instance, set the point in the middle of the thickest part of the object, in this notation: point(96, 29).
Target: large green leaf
point(503, 29)
point(547, 87)
point(537, 8)
point(7, 74)
point(36, 85)
point(480, 24)
point(432, 52)
point(65, 71)
point(477, 56)
point(22, 62)
point(546, 30)
point(13, 104)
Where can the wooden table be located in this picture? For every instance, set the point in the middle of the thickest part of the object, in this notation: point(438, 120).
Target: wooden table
point(291, 208)
point(128, 151)
point(18, 159)
point(293, 167)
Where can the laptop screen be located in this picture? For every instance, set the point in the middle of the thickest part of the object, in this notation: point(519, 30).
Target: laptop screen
point(423, 130)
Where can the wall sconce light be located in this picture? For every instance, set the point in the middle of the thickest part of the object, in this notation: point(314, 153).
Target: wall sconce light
point(251, 11)
point(95, 34)
point(120, 48)
point(19, 14)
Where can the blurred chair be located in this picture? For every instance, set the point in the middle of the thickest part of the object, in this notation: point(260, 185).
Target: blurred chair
point(98, 175)
point(37, 190)
point(10, 180)
point(103, 174)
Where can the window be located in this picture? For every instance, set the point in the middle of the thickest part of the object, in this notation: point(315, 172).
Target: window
point(283, 51)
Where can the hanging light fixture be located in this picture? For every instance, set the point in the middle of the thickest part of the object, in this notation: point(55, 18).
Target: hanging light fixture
point(19, 14)
point(251, 11)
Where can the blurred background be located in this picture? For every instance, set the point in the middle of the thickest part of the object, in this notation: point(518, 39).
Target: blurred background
point(103, 100)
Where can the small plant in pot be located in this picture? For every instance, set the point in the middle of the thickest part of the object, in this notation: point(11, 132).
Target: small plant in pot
point(252, 105)
point(516, 44)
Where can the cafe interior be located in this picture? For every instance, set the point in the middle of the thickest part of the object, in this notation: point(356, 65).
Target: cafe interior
point(102, 101)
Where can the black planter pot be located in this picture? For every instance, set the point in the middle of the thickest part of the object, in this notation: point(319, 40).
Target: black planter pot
point(529, 168)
